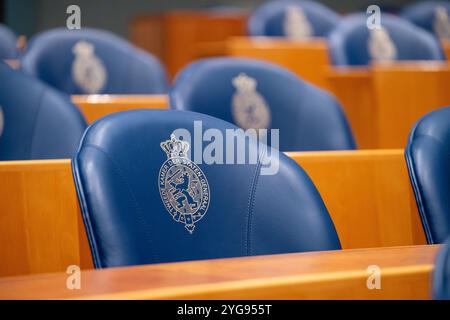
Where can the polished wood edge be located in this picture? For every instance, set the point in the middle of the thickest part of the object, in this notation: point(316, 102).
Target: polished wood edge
point(272, 42)
point(411, 66)
point(33, 164)
point(108, 98)
point(412, 260)
point(399, 66)
point(266, 284)
point(347, 153)
point(346, 72)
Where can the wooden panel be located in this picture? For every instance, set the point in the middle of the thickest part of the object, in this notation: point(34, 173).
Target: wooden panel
point(308, 59)
point(40, 222)
point(186, 39)
point(94, 107)
point(446, 47)
point(366, 192)
point(368, 195)
point(354, 90)
point(382, 102)
point(405, 93)
point(179, 37)
point(405, 274)
point(147, 32)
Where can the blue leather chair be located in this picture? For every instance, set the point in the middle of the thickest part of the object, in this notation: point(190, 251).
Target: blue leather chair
point(423, 14)
point(8, 49)
point(144, 202)
point(428, 159)
point(269, 18)
point(36, 121)
point(90, 61)
point(441, 274)
point(348, 43)
point(308, 117)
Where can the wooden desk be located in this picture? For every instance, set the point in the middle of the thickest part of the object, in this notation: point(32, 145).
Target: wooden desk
point(179, 37)
point(41, 229)
point(353, 87)
point(405, 274)
point(94, 106)
point(308, 59)
point(446, 47)
point(405, 93)
point(367, 193)
point(383, 102)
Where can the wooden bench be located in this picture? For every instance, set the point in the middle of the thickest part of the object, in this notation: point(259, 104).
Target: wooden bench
point(367, 193)
point(405, 273)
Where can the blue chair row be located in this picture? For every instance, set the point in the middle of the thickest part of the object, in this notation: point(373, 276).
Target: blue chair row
point(352, 43)
point(90, 61)
point(350, 40)
point(432, 16)
point(36, 121)
point(248, 93)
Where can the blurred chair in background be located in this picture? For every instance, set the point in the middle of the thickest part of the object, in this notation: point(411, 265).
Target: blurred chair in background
point(260, 95)
point(8, 46)
point(36, 121)
point(428, 157)
point(293, 19)
point(441, 274)
point(433, 16)
point(352, 43)
point(90, 61)
point(189, 211)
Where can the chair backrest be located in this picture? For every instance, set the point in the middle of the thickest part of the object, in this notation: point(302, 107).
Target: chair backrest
point(432, 16)
point(261, 95)
point(8, 49)
point(428, 158)
point(90, 61)
point(292, 17)
point(441, 274)
point(143, 201)
point(36, 121)
point(352, 43)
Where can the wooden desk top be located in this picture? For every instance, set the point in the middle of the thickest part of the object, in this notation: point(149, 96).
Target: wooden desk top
point(113, 98)
point(96, 106)
point(405, 274)
point(278, 42)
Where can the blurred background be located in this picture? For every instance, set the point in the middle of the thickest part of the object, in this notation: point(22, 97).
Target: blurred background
point(30, 16)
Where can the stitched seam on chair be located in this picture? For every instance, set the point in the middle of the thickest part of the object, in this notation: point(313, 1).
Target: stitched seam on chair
point(251, 203)
point(419, 201)
point(116, 166)
point(417, 187)
point(85, 214)
point(35, 122)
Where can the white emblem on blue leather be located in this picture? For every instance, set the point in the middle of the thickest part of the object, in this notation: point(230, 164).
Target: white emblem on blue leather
point(296, 24)
point(2, 121)
point(381, 47)
point(249, 109)
point(88, 71)
point(441, 23)
point(183, 186)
